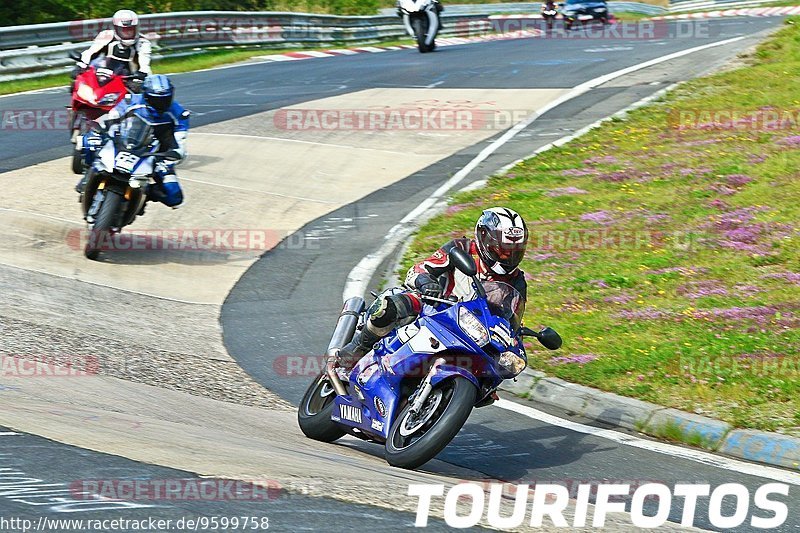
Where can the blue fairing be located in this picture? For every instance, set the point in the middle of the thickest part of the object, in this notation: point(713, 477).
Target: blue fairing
point(382, 380)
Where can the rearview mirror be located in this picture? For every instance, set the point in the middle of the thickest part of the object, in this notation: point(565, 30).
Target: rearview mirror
point(548, 337)
point(463, 261)
point(74, 55)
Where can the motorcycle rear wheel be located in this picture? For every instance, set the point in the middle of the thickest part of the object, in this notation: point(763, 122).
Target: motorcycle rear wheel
point(415, 439)
point(314, 413)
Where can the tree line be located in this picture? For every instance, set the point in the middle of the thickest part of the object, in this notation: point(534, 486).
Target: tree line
point(39, 11)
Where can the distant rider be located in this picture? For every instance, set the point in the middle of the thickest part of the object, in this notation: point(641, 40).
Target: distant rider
point(498, 248)
point(171, 126)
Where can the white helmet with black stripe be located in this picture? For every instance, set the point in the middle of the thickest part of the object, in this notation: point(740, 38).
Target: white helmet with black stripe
point(501, 236)
point(126, 26)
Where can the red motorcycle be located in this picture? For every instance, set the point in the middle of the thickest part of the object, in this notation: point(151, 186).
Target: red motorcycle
point(95, 92)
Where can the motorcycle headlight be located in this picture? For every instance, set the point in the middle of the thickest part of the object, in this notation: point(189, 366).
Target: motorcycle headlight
point(109, 99)
point(86, 93)
point(472, 326)
point(511, 363)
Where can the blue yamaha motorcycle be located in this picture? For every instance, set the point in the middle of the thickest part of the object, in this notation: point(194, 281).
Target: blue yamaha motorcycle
point(415, 390)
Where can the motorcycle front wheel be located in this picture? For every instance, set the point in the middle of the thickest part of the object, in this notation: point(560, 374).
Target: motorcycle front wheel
point(420, 27)
point(416, 438)
point(314, 413)
point(101, 229)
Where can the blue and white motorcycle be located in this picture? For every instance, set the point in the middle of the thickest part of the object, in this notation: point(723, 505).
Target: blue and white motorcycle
point(415, 390)
point(421, 19)
point(122, 166)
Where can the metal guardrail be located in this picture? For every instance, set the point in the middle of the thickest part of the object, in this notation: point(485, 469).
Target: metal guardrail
point(534, 7)
point(40, 49)
point(677, 6)
point(177, 33)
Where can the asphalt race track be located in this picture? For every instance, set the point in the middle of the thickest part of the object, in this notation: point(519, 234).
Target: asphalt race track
point(285, 303)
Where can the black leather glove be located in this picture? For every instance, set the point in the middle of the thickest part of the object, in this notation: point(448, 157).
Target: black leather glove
point(428, 286)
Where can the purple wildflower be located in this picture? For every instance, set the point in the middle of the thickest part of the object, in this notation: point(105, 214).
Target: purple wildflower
point(600, 159)
point(576, 172)
point(599, 217)
point(702, 289)
point(791, 277)
point(455, 209)
point(699, 171)
point(756, 313)
point(541, 257)
point(721, 188)
point(738, 180)
point(621, 298)
point(701, 142)
point(793, 140)
point(648, 313)
point(580, 359)
point(564, 191)
point(599, 283)
point(656, 217)
point(618, 176)
point(756, 158)
point(746, 290)
point(685, 271)
point(719, 204)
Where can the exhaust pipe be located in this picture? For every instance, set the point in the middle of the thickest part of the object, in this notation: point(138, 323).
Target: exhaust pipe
point(342, 334)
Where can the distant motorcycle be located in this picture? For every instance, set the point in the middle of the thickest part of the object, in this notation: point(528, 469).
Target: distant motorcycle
point(96, 91)
point(585, 11)
point(421, 20)
point(549, 13)
point(415, 390)
point(117, 181)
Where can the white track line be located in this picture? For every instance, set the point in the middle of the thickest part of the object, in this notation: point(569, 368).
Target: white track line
point(7, 433)
point(283, 139)
point(690, 454)
point(359, 277)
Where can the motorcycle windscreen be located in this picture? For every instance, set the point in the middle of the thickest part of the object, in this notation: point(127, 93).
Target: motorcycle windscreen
point(135, 132)
point(505, 301)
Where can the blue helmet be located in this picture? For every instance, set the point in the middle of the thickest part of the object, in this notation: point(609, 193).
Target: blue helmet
point(158, 92)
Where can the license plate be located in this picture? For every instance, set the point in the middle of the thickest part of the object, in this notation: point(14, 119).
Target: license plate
point(585, 17)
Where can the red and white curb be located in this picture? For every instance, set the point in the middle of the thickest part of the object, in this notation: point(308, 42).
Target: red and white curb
point(440, 42)
point(745, 12)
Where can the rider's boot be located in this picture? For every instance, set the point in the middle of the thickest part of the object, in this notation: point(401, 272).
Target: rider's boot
point(81, 185)
point(362, 343)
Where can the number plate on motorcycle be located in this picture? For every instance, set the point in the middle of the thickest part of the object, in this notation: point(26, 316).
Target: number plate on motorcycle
point(126, 161)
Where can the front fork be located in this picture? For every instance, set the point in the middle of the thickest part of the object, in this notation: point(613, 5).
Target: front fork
point(425, 387)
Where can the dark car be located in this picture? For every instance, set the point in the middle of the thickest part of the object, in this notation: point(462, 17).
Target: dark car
point(584, 11)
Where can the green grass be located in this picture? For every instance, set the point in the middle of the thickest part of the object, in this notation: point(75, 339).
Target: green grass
point(201, 60)
point(693, 303)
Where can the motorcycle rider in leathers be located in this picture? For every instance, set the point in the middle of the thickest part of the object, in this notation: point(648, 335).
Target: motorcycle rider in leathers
point(122, 46)
point(171, 126)
point(498, 248)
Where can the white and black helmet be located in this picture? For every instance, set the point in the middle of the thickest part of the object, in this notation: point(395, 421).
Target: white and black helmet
point(501, 236)
point(126, 26)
